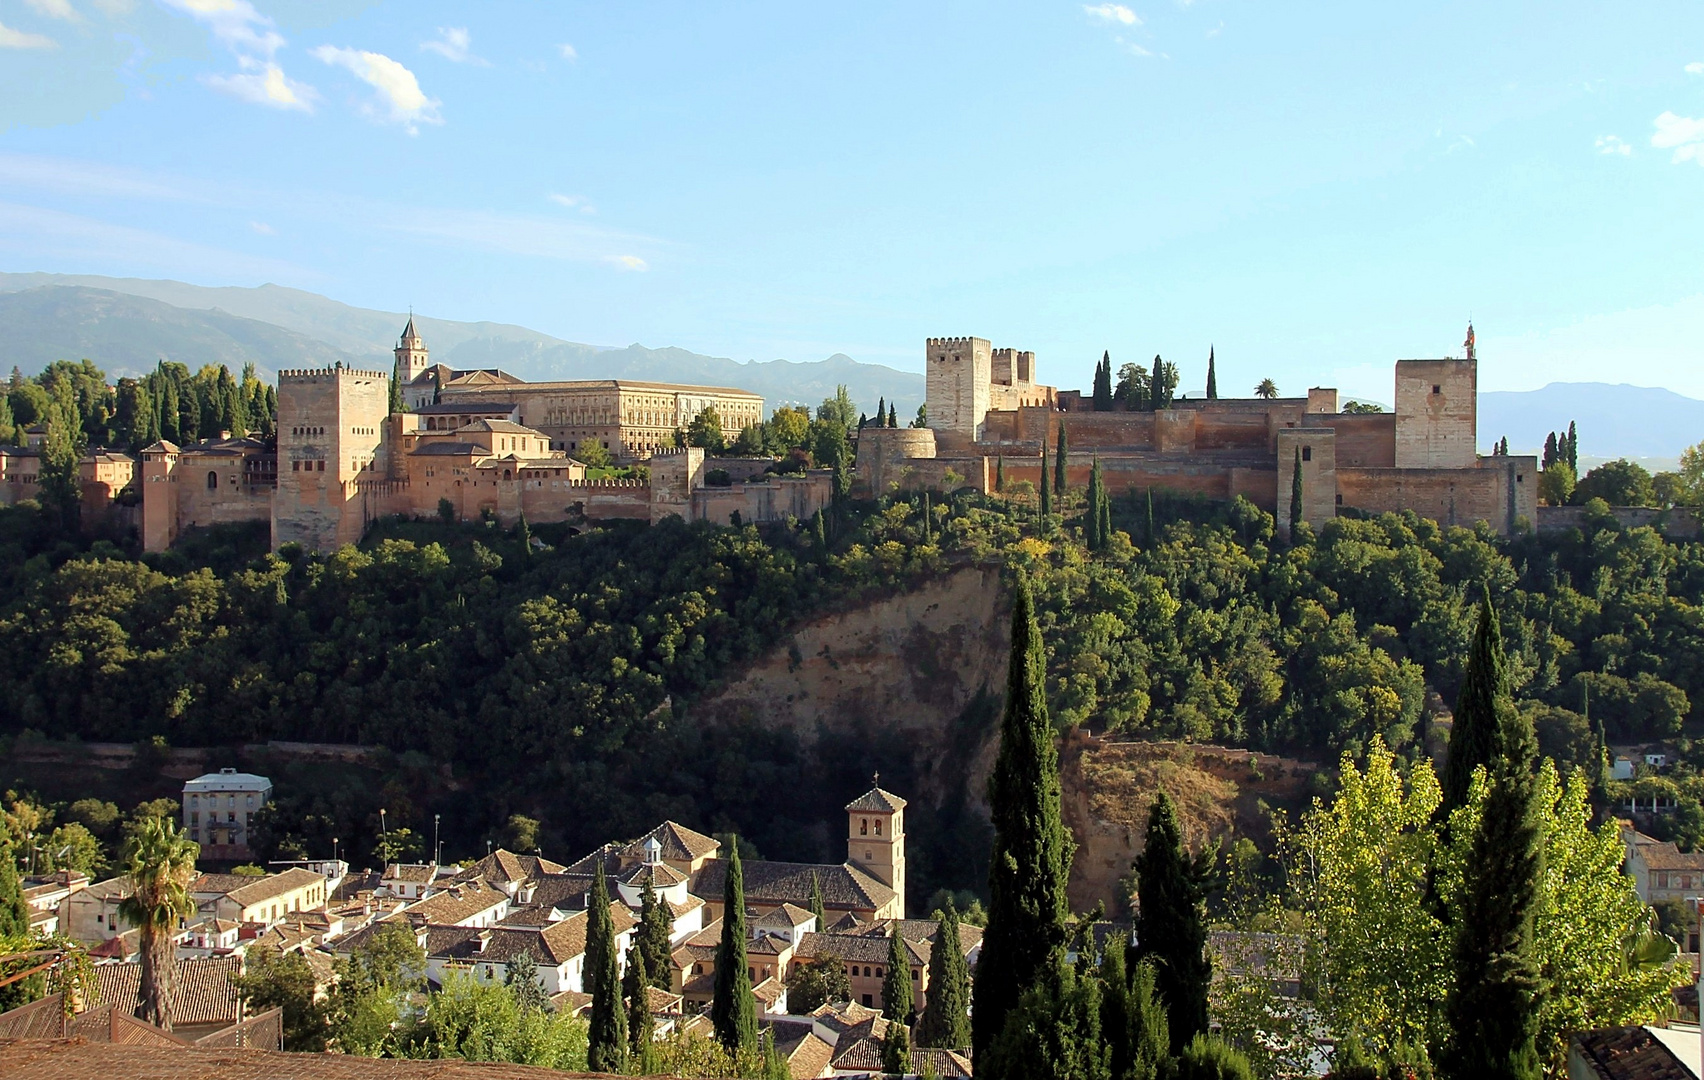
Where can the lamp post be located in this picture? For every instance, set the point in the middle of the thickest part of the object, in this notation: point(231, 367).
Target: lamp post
point(334, 849)
point(437, 845)
point(384, 834)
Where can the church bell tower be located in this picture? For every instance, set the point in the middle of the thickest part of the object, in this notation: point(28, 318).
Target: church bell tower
point(875, 838)
point(411, 362)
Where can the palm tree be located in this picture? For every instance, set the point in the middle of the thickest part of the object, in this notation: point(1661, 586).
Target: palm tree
point(1267, 389)
point(159, 863)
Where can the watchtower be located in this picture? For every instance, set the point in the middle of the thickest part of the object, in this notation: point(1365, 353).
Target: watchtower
point(959, 375)
point(875, 837)
point(410, 350)
point(1437, 412)
point(330, 424)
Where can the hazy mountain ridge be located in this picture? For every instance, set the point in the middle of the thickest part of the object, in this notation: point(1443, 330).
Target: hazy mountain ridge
point(46, 317)
point(1615, 420)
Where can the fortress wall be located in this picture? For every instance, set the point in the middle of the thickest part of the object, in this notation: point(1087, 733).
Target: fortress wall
point(1258, 486)
point(884, 455)
point(1364, 440)
point(1449, 496)
point(1123, 430)
point(773, 500)
point(1314, 451)
point(1238, 429)
point(231, 501)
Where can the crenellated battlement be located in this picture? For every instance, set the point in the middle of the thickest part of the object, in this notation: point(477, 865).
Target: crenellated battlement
point(948, 342)
point(329, 374)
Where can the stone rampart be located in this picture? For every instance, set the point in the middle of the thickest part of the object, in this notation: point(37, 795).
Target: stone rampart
point(1676, 523)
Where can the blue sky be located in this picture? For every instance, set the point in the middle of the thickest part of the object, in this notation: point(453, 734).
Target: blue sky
point(1313, 189)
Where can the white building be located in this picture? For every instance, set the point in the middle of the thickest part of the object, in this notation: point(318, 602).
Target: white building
point(219, 809)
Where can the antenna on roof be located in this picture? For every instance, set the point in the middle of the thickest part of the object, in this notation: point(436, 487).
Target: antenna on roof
point(876, 779)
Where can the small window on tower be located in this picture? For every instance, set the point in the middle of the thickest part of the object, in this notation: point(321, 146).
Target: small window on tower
point(863, 826)
point(1436, 389)
point(1307, 453)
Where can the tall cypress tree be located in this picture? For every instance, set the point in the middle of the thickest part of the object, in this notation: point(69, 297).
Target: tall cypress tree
point(1105, 526)
point(928, 526)
point(1000, 473)
point(606, 1034)
point(1573, 448)
point(1493, 1008)
point(1059, 457)
point(1296, 494)
point(881, 412)
point(732, 1010)
point(1133, 1021)
point(1027, 909)
point(395, 405)
point(1103, 384)
point(1148, 530)
point(1212, 376)
point(170, 412)
point(636, 985)
point(946, 1015)
point(1092, 513)
point(896, 1049)
point(1484, 694)
point(893, 417)
point(1170, 932)
point(896, 984)
point(1046, 489)
point(1551, 451)
point(655, 925)
point(816, 882)
point(1601, 772)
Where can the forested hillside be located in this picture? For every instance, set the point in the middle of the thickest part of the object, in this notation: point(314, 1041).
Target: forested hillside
point(553, 679)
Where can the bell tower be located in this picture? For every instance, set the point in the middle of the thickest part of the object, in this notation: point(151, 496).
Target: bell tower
point(411, 361)
point(875, 837)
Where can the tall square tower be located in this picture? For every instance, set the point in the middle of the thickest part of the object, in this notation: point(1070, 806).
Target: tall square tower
point(1437, 418)
point(875, 838)
point(330, 423)
point(959, 374)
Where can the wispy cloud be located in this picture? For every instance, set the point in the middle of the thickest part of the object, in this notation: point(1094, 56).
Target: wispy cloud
point(234, 23)
point(263, 228)
point(19, 39)
point(629, 262)
point(453, 43)
point(48, 236)
point(1113, 13)
point(56, 9)
point(268, 86)
point(1695, 68)
point(1612, 144)
point(1682, 134)
point(568, 52)
point(404, 102)
point(573, 202)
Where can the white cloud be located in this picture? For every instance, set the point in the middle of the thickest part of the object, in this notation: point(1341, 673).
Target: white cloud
point(263, 228)
point(1612, 144)
point(573, 202)
point(397, 87)
point(568, 52)
point(629, 262)
point(55, 9)
point(235, 23)
point(453, 43)
point(18, 39)
point(269, 86)
point(1682, 134)
point(1113, 13)
point(1695, 68)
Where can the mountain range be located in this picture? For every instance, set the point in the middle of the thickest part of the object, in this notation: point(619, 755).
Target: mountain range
point(127, 325)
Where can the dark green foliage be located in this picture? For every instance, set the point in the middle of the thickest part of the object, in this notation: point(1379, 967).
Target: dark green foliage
point(946, 1018)
point(1149, 535)
point(816, 888)
point(1097, 515)
point(1162, 382)
point(1484, 695)
point(1618, 483)
point(1000, 473)
point(1133, 1020)
point(1060, 456)
point(775, 1065)
point(395, 404)
point(606, 1034)
point(1046, 487)
point(1573, 448)
point(733, 1010)
point(14, 912)
point(1170, 931)
point(896, 1049)
point(1052, 1033)
point(520, 975)
point(1032, 850)
point(635, 984)
point(897, 1002)
point(1296, 493)
point(1493, 1008)
point(1212, 376)
point(1209, 1058)
point(271, 980)
point(817, 981)
point(1103, 384)
point(652, 936)
point(892, 418)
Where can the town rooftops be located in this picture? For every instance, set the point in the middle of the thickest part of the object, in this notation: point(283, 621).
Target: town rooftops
point(201, 988)
point(785, 917)
point(660, 875)
point(448, 449)
point(412, 873)
point(470, 408)
point(1629, 1053)
point(272, 886)
point(876, 801)
point(632, 384)
point(458, 902)
point(865, 950)
point(226, 780)
point(767, 883)
point(504, 865)
point(552, 945)
point(678, 842)
point(1666, 856)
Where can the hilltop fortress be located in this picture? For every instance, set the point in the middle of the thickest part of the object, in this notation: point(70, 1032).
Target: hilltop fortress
point(988, 415)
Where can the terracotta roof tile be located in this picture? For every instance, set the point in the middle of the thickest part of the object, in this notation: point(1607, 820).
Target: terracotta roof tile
point(877, 801)
point(1628, 1053)
point(201, 992)
point(779, 882)
point(75, 1059)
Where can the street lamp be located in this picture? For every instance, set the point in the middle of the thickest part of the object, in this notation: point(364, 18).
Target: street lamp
point(334, 849)
point(437, 845)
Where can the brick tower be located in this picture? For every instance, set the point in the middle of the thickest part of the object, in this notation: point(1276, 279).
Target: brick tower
point(875, 837)
point(330, 422)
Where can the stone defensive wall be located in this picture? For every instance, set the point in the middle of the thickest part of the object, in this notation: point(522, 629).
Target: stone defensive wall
point(1135, 472)
point(1676, 523)
point(1500, 491)
point(775, 499)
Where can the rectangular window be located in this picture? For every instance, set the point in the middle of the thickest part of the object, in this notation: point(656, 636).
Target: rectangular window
point(1307, 453)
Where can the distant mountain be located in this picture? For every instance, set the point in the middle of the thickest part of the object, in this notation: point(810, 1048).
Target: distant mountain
point(1614, 420)
point(126, 324)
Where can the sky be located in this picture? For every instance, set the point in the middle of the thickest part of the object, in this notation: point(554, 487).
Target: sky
point(1313, 190)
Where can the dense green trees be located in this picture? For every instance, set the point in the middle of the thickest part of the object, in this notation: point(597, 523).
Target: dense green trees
point(1027, 909)
point(946, 1017)
point(1170, 930)
point(1102, 393)
point(733, 1011)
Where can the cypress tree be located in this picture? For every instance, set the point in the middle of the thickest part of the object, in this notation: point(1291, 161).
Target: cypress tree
point(1483, 696)
point(606, 1034)
point(893, 417)
point(896, 984)
point(524, 535)
point(1169, 928)
point(946, 1017)
point(1551, 453)
point(1601, 772)
point(1059, 456)
point(1573, 448)
point(775, 1066)
point(1212, 376)
point(1000, 473)
point(1046, 490)
point(1103, 384)
point(395, 405)
point(816, 882)
point(1105, 526)
point(1148, 528)
point(819, 532)
point(171, 414)
point(1296, 494)
point(863, 419)
point(732, 1010)
point(1493, 1009)
point(881, 412)
point(655, 926)
point(636, 985)
point(896, 1049)
point(1027, 909)
point(1091, 513)
point(1133, 1021)
point(928, 521)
